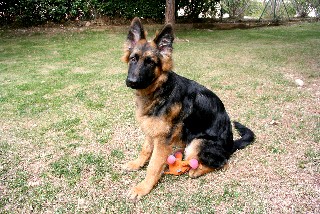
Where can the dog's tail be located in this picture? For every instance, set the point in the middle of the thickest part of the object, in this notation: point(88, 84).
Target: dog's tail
point(247, 136)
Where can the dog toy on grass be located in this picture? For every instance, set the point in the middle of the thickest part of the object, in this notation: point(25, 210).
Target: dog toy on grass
point(177, 166)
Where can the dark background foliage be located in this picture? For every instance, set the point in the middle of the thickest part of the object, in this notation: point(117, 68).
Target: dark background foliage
point(35, 12)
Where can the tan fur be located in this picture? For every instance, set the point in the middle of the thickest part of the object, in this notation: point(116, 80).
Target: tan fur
point(201, 170)
point(153, 44)
point(166, 59)
point(157, 146)
point(151, 55)
point(143, 157)
point(141, 42)
point(154, 170)
point(156, 126)
point(166, 62)
point(126, 54)
point(192, 150)
point(156, 129)
point(176, 137)
point(174, 111)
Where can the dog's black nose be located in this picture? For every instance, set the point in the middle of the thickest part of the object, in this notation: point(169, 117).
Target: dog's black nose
point(131, 82)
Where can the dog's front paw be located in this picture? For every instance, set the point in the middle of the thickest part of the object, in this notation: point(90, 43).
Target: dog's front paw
point(138, 191)
point(131, 166)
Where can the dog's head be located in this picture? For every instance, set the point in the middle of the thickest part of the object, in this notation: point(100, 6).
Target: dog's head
point(147, 60)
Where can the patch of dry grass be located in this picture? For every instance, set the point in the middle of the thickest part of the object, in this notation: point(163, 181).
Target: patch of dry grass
point(67, 122)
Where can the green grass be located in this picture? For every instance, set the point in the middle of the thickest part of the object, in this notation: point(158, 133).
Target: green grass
point(67, 122)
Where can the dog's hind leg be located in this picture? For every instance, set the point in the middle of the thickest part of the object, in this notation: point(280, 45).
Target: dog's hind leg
point(193, 151)
point(201, 170)
point(143, 157)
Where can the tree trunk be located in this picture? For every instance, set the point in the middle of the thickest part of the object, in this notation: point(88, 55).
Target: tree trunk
point(170, 11)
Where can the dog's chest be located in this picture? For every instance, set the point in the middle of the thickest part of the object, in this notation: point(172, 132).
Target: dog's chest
point(151, 125)
point(156, 124)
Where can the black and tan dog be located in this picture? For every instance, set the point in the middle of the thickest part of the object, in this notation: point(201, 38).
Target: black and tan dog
point(174, 111)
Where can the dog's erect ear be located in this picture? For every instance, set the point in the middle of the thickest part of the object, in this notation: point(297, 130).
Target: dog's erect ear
point(164, 42)
point(136, 33)
point(165, 39)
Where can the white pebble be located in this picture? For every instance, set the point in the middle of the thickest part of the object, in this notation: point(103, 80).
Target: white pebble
point(299, 82)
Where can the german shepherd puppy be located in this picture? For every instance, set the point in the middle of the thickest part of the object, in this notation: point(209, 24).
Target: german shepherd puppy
point(174, 111)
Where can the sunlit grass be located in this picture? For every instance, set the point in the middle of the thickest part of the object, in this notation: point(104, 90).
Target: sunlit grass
point(67, 122)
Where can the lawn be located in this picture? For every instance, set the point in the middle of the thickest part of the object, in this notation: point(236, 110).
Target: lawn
point(67, 121)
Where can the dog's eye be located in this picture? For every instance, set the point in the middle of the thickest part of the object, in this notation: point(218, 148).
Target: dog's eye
point(133, 59)
point(148, 61)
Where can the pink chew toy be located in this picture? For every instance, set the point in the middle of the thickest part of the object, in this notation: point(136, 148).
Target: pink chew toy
point(171, 159)
point(194, 163)
point(177, 166)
